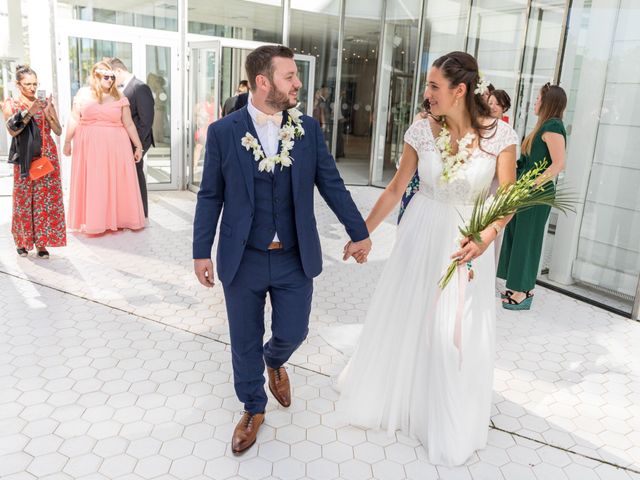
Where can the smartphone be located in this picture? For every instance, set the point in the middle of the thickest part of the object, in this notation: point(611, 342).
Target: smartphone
point(42, 95)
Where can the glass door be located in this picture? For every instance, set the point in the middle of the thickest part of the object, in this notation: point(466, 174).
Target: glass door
point(203, 103)
point(307, 74)
point(540, 58)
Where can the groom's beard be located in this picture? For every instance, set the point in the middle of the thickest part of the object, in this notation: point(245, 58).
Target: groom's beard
point(278, 100)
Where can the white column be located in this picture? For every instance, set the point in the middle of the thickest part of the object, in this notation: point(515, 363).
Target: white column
point(11, 33)
point(41, 43)
point(594, 46)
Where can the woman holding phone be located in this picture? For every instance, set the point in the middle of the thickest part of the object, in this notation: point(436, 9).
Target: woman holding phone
point(38, 211)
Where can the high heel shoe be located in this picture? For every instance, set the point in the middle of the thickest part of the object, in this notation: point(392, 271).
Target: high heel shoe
point(22, 252)
point(43, 253)
point(524, 304)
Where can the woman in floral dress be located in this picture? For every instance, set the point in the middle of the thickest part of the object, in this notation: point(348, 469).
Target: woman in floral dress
point(38, 211)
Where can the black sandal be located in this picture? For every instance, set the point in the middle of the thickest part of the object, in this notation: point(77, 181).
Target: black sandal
point(43, 253)
point(524, 304)
point(22, 252)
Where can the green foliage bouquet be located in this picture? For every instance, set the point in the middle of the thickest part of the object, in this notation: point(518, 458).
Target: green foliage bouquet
point(509, 199)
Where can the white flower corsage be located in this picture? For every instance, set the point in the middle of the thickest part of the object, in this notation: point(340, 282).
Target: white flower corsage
point(287, 135)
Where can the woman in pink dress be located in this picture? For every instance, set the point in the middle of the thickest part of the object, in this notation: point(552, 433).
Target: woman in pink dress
point(104, 194)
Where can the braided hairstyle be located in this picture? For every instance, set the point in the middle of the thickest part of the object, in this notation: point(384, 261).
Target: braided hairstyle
point(460, 67)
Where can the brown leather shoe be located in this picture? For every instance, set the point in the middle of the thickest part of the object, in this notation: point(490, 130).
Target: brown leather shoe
point(279, 385)
point(246, 431)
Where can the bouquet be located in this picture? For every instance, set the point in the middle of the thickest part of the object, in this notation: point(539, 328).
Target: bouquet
point(508, 200)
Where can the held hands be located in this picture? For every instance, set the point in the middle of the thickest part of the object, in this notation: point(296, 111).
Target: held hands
point(203, 268)
point(470, 250)
point(358, 250)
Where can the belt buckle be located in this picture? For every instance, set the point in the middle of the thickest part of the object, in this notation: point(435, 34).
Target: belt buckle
point(275, 246)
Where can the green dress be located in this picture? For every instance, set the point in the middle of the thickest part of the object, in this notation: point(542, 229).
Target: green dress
point(523, 236)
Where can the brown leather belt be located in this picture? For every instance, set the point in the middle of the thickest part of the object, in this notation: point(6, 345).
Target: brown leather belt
point(275, 246)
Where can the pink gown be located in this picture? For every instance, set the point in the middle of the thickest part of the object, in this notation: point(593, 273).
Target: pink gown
point(104, 193)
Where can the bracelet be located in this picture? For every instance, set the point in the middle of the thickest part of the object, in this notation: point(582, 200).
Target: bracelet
point(497, 227)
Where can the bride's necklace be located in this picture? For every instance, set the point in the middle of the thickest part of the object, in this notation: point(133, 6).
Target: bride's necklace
point(452, 164)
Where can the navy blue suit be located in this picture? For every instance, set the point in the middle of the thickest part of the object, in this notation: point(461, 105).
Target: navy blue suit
point(254, 206)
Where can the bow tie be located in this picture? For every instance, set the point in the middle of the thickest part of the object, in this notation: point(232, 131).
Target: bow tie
point(276, 118)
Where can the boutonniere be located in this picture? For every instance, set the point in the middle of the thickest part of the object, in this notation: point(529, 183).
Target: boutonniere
point(287, 135)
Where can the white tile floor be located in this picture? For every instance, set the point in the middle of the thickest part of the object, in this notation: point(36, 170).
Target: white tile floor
point(115, 364)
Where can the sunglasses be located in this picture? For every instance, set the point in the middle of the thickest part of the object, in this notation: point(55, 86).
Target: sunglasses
point(109, 77)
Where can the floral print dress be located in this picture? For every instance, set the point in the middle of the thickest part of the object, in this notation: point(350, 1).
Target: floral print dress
point(412, 188)
point(38, 210)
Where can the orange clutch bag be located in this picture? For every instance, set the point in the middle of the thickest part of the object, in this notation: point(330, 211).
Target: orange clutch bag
point(40, 167)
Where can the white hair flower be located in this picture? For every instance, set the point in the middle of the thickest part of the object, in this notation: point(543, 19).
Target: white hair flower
point(482, 86)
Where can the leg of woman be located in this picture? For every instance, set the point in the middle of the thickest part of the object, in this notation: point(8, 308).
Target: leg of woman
point(48, 211)
point(22, 214)
point(526, 249)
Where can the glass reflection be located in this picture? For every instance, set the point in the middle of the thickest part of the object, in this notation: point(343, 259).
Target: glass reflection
point(158, 14)
point(159, 81)
point(258, 20)
point(314, 32)
point(359, 58)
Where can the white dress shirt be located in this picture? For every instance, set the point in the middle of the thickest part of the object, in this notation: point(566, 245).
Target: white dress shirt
point(267, 135)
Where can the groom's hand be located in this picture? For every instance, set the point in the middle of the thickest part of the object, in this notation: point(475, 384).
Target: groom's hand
point(204, 271)
point(358, 250)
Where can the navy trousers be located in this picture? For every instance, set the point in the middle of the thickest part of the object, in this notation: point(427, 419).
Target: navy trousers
point(279, 273)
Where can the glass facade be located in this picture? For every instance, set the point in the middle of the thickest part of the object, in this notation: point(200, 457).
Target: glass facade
point(257, 20)
point(364, 66)
point(596, 251)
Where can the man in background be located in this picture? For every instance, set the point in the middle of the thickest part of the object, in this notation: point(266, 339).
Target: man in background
point(142, 108)
point(238, 101)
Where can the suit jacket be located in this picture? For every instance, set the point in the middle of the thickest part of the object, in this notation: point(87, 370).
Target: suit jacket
point(142, 110)
point(234, 103)
point(227, 187)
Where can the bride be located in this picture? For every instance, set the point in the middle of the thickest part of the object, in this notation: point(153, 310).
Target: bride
point(424, 364)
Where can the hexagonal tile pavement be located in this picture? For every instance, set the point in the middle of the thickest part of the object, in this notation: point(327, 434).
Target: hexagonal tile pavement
point(115, 364)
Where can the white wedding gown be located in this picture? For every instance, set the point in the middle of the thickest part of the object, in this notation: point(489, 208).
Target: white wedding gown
point(407, 373)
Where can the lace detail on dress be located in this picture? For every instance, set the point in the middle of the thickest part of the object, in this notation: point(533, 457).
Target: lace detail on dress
point(458, 192)
point(419, 136)
point(478, 172)
point(504, 136)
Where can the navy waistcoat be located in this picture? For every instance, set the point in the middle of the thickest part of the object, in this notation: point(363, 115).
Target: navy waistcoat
point(274, 210)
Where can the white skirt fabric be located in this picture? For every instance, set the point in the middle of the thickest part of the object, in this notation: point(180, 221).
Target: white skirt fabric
point(407, 373)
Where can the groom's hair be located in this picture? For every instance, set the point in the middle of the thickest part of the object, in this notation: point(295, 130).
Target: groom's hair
point(260, 61)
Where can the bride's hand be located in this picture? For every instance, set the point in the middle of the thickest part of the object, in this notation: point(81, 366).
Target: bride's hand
point(470, 250)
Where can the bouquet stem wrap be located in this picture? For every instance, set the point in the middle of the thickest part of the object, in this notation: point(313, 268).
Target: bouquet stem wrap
point(509, 199)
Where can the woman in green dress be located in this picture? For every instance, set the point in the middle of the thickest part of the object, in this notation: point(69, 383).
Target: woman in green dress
point(523, 236)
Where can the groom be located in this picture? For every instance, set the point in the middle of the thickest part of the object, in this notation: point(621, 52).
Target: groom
point(261, 165)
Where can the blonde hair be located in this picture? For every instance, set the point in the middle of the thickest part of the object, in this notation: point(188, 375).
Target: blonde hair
point(96, 77)
point(553, 101)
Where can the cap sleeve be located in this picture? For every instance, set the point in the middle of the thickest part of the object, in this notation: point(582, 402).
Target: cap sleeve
point(416, 135)
point(554, 125)
point(508, 136)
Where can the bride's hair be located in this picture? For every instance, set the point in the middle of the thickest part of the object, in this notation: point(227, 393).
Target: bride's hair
point(460, 67)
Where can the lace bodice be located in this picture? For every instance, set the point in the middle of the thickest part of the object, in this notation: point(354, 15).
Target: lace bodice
point(478, 172)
